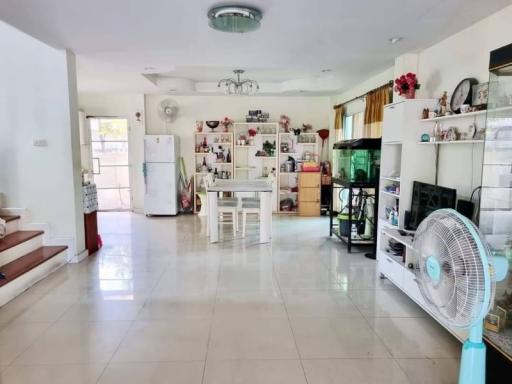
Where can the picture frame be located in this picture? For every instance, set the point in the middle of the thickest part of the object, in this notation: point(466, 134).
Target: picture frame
point(496, 320)
point(480, 95)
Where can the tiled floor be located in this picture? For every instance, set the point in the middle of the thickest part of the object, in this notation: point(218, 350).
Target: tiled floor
point(159, 304)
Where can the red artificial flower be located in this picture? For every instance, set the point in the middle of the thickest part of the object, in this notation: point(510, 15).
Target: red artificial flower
point(406, 82)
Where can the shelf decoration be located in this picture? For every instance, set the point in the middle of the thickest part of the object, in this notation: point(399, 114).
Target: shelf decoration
point(284, 123)
point(227, 123)
point(406, 85)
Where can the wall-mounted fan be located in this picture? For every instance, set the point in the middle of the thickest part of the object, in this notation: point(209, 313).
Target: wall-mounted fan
point(168, 110)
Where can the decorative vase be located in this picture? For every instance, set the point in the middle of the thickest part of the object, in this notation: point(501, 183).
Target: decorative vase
point(410, 94)
point(199, 126)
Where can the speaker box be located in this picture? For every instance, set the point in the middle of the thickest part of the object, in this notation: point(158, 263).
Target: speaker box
point(407, 219)
point(466, 208)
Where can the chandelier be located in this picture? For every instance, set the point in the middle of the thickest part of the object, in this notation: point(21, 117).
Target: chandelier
point(237, 86)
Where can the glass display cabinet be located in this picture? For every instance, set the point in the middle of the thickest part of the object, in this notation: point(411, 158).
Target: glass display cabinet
point(495, 219)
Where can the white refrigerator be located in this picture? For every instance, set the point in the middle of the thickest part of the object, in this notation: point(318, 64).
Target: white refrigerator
point(161, 154)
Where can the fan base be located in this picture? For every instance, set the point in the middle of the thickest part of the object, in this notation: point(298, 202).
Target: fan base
point(472, 363)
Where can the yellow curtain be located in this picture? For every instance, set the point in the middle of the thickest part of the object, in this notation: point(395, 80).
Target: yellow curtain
point(338, 122)
point(374, 111)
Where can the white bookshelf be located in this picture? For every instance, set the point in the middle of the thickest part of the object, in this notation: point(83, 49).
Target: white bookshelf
point(248, 166)
point(403, 160)
point(222, 139)
point(299, 144)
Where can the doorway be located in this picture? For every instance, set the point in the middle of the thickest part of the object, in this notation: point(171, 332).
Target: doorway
point(110, 163)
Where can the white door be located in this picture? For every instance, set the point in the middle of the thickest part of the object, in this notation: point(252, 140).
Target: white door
point(161, 197)
point(159, 149)
point(110, 162)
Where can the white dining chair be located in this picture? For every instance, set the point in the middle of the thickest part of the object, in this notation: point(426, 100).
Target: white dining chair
point(226, 206)
point(251, 206)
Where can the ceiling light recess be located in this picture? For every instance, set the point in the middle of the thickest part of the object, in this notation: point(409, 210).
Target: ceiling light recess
point(234, 19)
point(394, 40)
point(237, 86)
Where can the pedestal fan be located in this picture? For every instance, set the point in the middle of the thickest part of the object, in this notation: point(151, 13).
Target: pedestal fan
point(456, 274)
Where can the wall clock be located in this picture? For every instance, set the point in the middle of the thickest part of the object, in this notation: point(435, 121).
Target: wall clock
point(462, 94)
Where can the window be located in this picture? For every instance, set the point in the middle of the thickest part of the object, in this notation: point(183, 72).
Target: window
point(347, 126)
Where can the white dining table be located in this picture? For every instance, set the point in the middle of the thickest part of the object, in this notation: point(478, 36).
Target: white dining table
point(256, 186)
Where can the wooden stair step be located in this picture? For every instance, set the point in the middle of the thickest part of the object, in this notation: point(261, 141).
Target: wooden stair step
point(28, 262)
point(9, 218)
point(16, 238)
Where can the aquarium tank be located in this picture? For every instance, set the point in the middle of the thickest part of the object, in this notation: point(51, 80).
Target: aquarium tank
point(357, 160)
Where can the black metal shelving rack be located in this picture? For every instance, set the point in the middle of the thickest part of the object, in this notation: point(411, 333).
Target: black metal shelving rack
point(338, 184)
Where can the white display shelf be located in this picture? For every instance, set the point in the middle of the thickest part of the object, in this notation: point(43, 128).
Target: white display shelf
point(245, 146)
point(245, 168)
point(302, 133)
point(395, 258)
point(406, 240)
point(214, 133)
point(451, 142)
point(389, 178)
point(390, 194)
point(256, 123)
point(455, 116)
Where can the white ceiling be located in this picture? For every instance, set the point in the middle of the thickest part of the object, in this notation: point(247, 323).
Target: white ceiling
point(117, 40)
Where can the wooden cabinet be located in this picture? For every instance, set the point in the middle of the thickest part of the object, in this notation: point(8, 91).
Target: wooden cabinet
point(91, 232)
point(309, 194)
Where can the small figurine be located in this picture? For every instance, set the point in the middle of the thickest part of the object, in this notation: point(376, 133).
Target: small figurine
point(443, 104)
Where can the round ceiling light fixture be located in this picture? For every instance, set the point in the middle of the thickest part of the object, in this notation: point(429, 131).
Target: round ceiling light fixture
point(394, 40)
point(234, 19)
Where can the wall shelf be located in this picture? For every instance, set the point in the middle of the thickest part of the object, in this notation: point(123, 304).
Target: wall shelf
point(451, 142)
point(455, 116)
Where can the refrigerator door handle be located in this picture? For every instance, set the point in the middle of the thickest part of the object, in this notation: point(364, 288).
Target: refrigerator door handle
point(145, 175)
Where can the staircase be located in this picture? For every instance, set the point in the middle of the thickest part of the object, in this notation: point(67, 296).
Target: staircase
point(24, 260)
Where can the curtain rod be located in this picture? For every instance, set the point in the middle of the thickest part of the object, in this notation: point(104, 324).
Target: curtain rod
point(388, 84)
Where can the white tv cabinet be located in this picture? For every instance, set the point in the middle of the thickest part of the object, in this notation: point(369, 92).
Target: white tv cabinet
point(403, 160)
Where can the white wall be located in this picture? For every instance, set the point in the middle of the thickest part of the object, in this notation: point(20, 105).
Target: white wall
point(465, 54)
point(312, 110)
point(440, 68)
point(125, 106)
point(38, 101)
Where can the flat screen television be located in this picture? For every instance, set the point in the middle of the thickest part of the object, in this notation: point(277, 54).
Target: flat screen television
point(426, 198)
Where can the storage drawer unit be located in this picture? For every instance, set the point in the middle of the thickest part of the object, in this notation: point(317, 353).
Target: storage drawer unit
point(309, 194)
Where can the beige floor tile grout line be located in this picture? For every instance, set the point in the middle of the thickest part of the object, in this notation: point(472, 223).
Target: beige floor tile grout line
point(274, 275)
